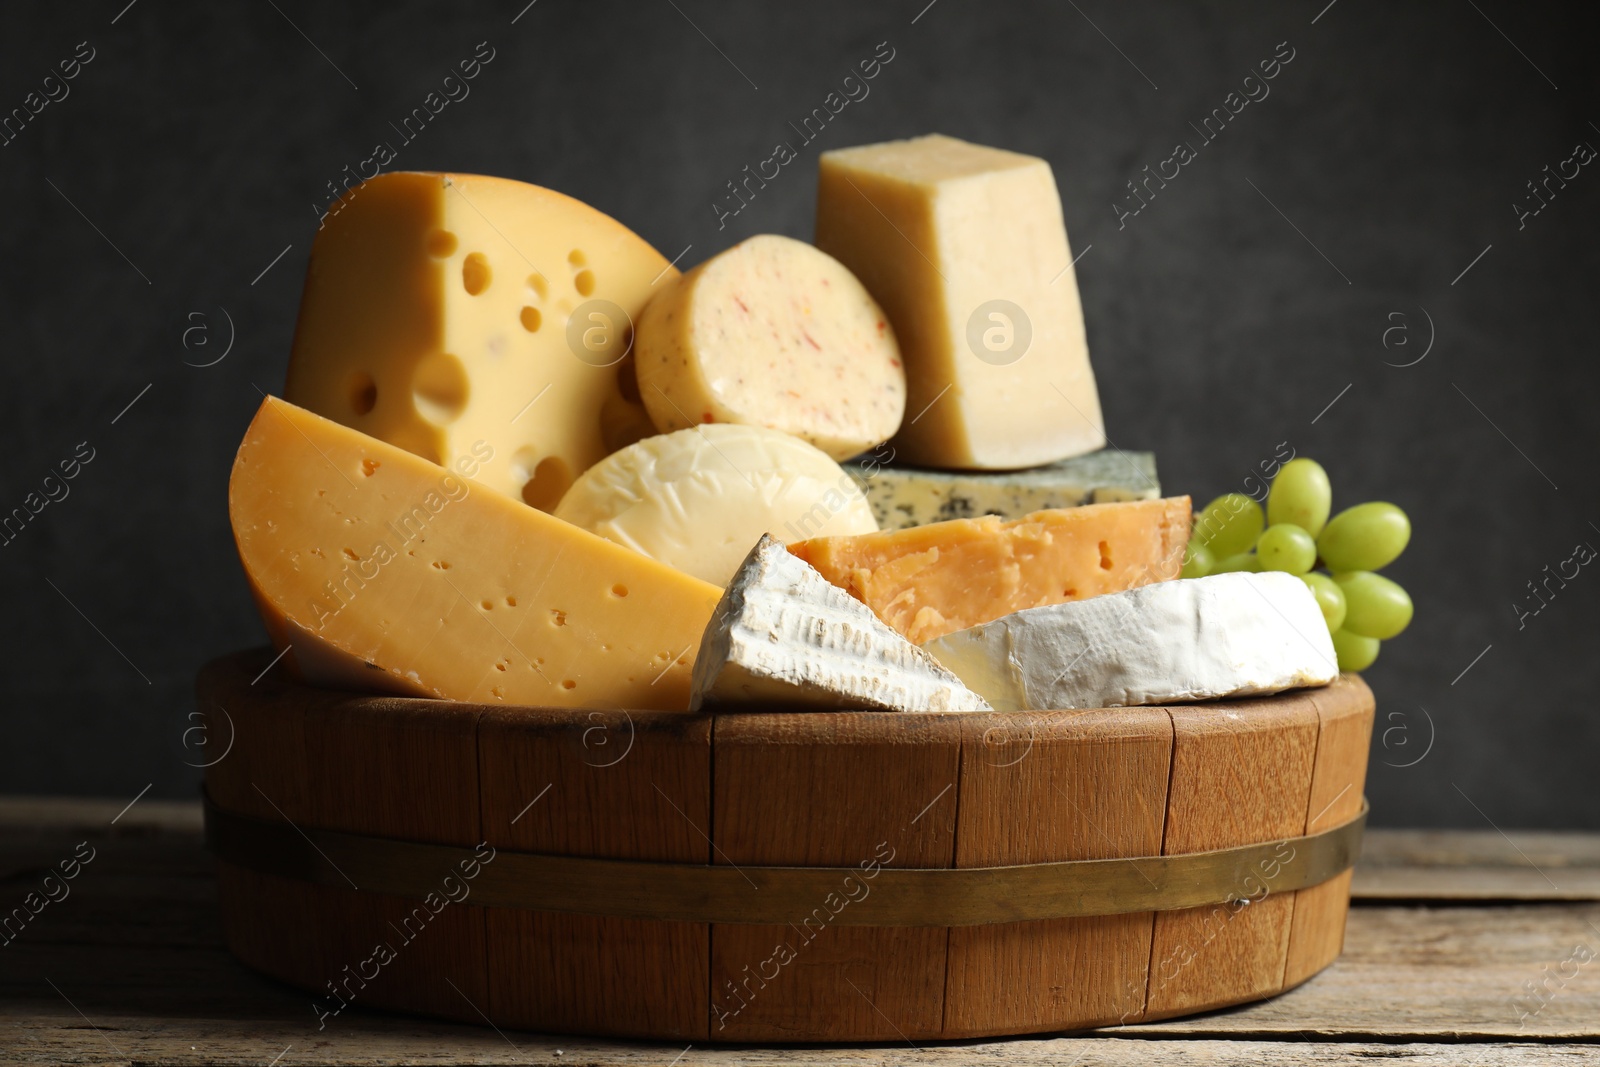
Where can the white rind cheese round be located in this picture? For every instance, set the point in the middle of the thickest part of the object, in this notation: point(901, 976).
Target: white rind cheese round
point(772, 333)
point(784, 638)
point(699, 498)
point(1227, 635)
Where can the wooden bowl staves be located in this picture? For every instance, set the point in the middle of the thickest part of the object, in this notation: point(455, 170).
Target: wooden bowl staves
point(388, 852)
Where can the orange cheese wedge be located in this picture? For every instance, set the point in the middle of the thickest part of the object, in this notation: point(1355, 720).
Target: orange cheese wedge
point(928, 581)
point(381, 570)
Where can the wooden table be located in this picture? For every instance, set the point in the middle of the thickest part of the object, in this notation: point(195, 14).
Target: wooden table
point(1464, 948)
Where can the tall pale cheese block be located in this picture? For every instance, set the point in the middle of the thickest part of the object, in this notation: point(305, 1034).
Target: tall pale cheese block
point(966, 250)
point(446, 310)
point(381, 570)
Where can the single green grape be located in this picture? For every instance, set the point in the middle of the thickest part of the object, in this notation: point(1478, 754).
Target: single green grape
point(1229, 525)
point(1300, 495)
point(1330, 598)
point(1243, 561)
point(1366, 537)
point(1355, 652)
point(1197, 561)
point(1286, 547)
point(1374, 605)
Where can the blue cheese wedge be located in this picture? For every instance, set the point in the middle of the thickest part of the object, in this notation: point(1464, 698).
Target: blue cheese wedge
point(783, 637)
point(1227, 635)
point(902, 496)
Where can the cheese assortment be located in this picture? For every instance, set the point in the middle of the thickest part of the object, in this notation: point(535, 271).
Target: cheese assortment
point(380, 570)
point(773, 333)
point(783, 636)
point(523, 461)
point(903, 496)
point(444, 310)
point(698, 499)
point(1227, 635)
point(965, 248)
point(931, 580)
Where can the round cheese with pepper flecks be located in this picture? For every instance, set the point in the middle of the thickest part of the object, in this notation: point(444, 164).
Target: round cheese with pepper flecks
point(772, 333)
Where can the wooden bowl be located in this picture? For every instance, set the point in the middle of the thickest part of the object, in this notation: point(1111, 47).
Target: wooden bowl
point(815, 789)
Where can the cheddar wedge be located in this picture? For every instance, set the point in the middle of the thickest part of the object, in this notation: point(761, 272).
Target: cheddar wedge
point(381, 570)
point(928, 581)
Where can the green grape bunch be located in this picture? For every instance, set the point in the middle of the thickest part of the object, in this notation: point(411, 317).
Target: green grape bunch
point(1296, 535)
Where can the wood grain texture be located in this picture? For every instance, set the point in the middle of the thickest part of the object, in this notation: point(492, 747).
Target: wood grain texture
point(262, 774)
point(856, 790)
point(381, 1042)
point(398, 768)
point(1478, 865)
point(1344, 734)
point(1241, 772)
point(1416, 972)
point(848, 789)
point(366, 765)
point(1057, 786)
point(609, 784)
point(137, 948)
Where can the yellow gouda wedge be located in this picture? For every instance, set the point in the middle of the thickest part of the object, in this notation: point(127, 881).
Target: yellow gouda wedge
point(446, 309)
point(928, 581)
point(773, 333)
point(381, 570)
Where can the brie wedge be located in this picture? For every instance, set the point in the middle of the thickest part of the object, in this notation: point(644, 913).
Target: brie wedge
point(783, 635)
point(1226, 635)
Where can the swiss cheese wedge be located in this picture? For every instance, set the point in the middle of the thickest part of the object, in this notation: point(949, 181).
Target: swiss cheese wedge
point(928, 581)
point(380, 570)
point(441, 310)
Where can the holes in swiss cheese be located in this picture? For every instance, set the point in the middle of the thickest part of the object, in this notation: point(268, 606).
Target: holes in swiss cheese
point(369, 467)
point(1105, 556)
point(440, 388)
point(584, 282)
point(619, 590)
point(475, 273)
point(545, 480)
point(531, 319)
point(628, 377)
point(577, 258)
point(441, 243)
point(363, 392)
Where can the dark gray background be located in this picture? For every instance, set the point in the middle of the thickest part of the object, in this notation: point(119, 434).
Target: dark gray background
point(200, 139)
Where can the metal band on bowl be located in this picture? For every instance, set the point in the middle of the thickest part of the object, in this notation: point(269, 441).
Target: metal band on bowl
point(876, 895)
